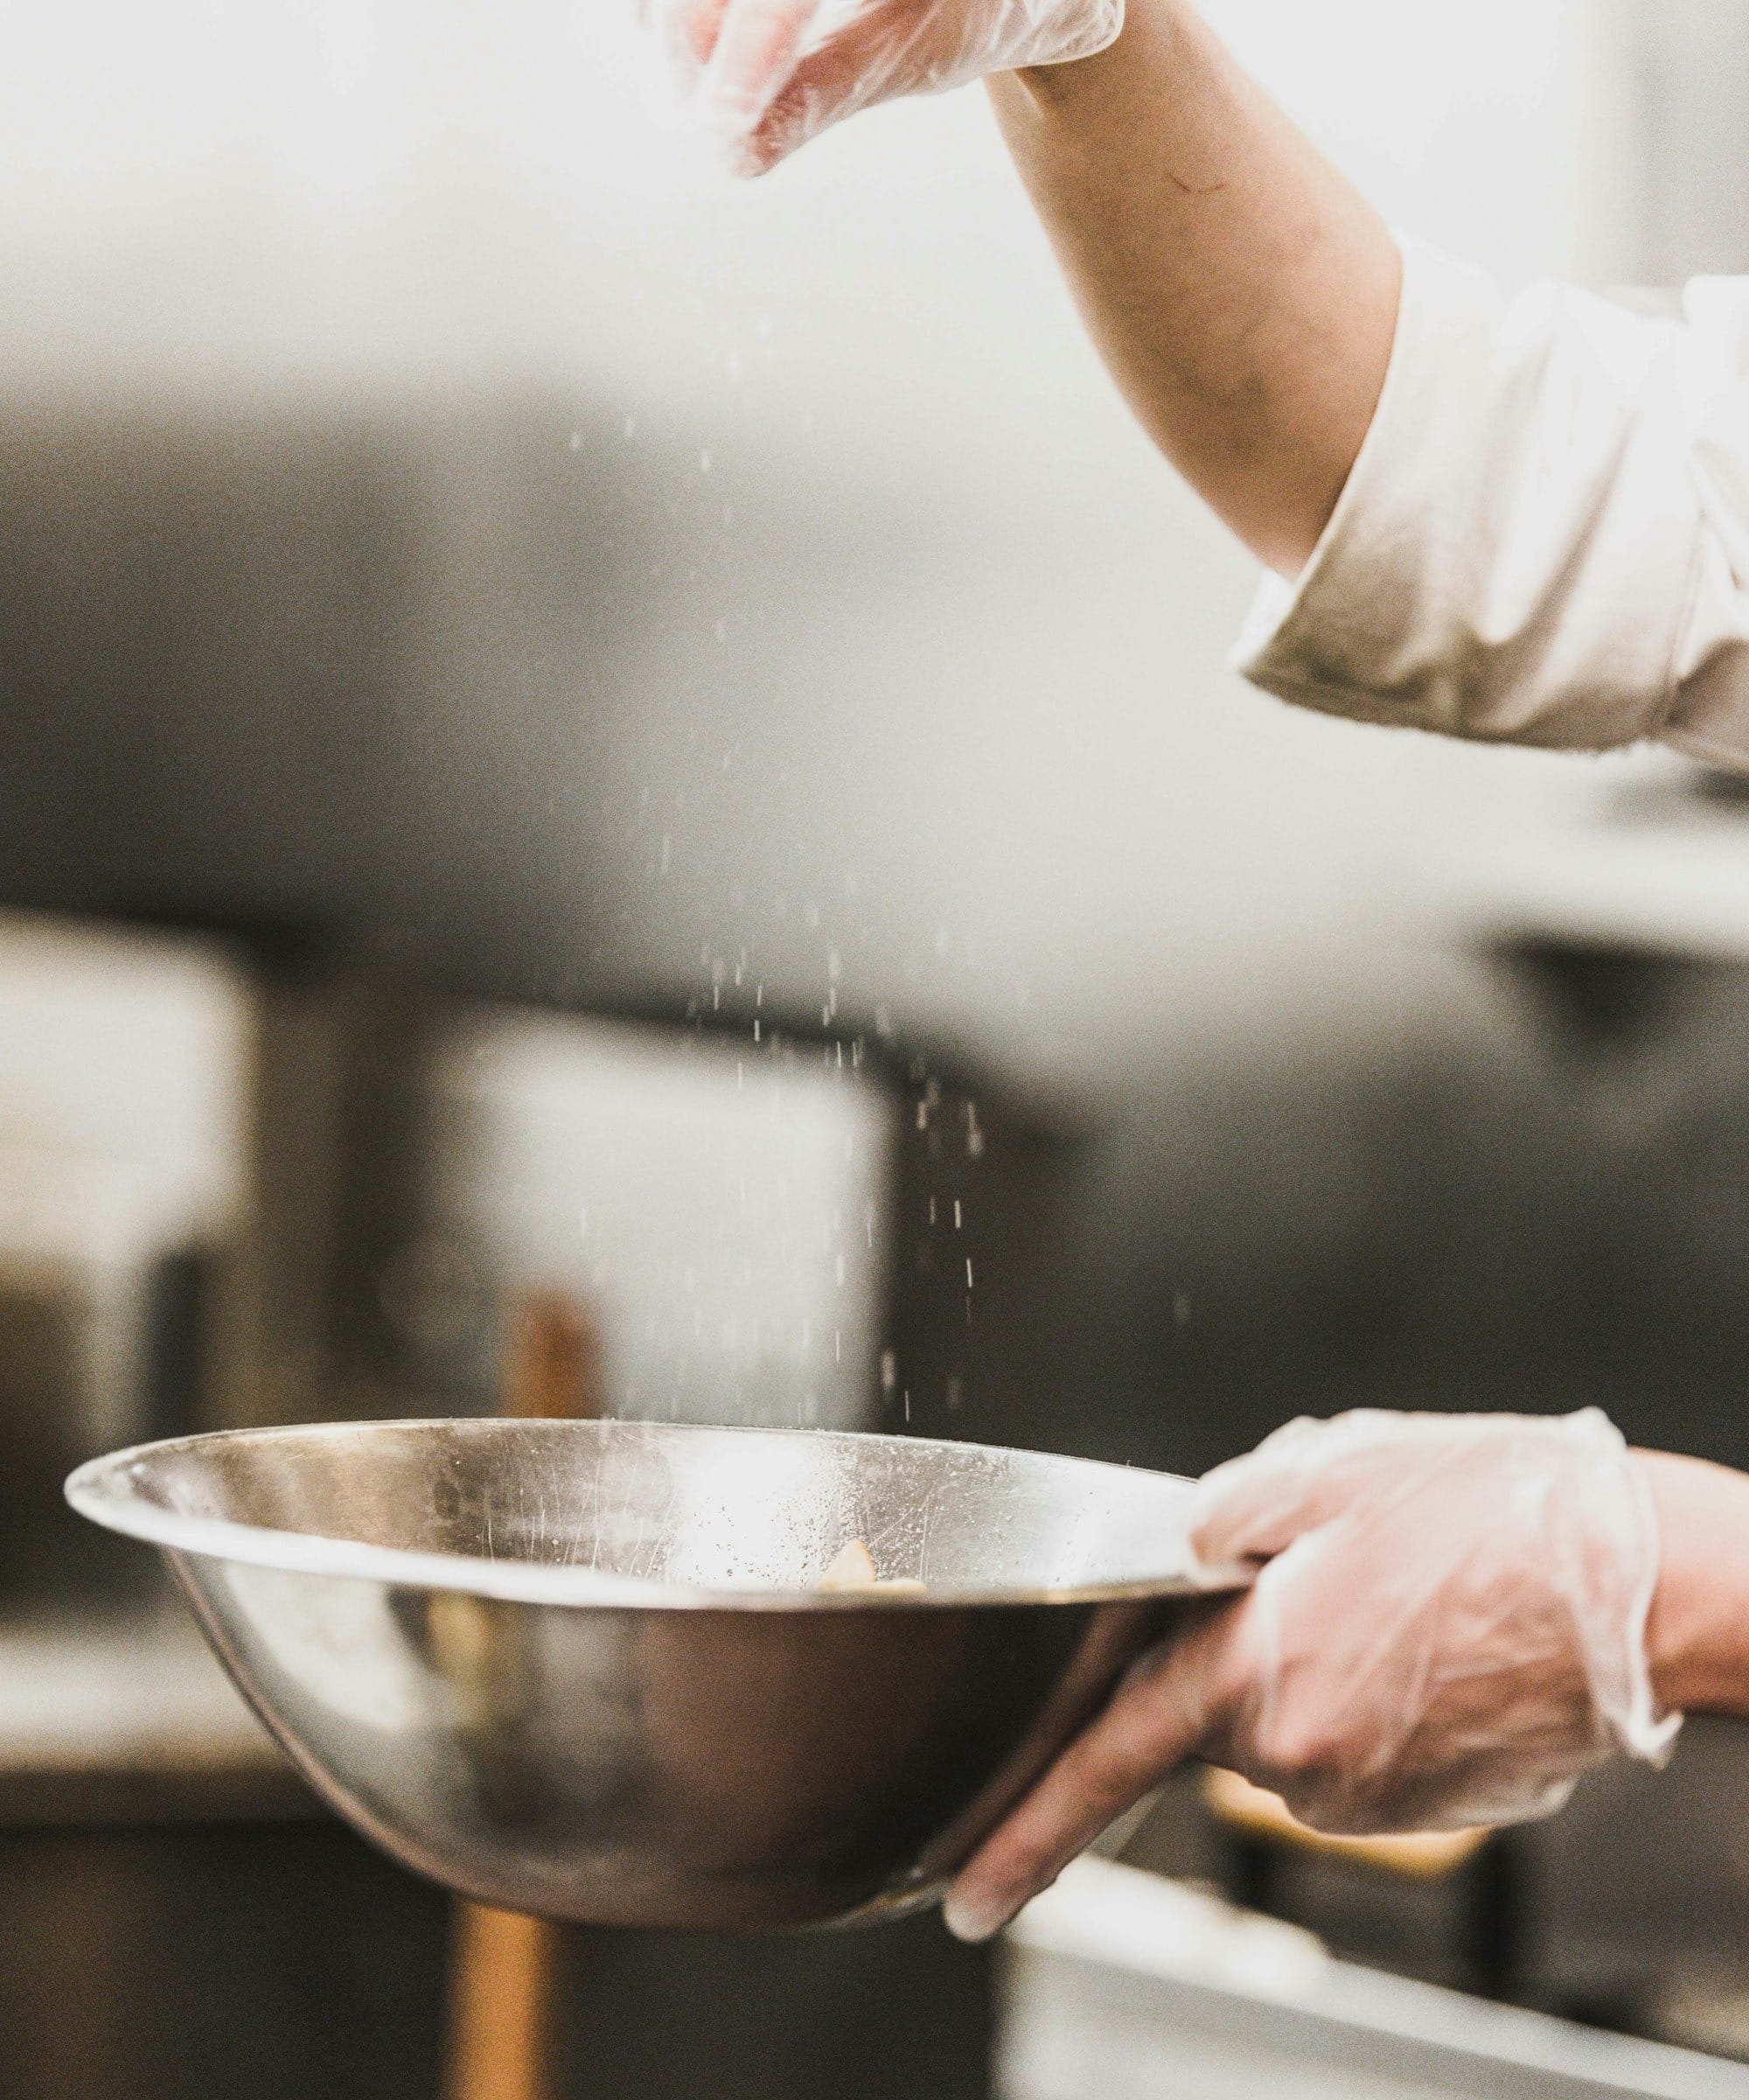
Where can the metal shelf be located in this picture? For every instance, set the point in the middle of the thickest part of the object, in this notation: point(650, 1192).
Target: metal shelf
point(1121, 1984)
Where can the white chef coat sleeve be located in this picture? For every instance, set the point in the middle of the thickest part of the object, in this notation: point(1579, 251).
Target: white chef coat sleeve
point(1545, 537)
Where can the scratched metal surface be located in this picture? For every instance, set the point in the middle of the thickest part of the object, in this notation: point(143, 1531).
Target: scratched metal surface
point(580, 1668)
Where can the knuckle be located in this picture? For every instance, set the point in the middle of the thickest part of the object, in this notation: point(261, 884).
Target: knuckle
point(1302, 1752)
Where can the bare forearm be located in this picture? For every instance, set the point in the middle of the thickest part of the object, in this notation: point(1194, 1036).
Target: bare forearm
point(1697, 1639)
point(1242, 294)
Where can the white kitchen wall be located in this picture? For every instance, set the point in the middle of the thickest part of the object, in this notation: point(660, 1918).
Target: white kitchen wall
point(995, 767)
point(723, 1220)
point(125, 1054)
point(123, 1068)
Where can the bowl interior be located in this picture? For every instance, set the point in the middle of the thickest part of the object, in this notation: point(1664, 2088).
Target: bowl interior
point(680, 1507)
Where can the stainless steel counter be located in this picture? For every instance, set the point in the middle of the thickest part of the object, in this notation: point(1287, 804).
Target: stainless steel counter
point(1123, 1985)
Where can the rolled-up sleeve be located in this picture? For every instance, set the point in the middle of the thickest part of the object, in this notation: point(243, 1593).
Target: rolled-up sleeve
point(1545, 537)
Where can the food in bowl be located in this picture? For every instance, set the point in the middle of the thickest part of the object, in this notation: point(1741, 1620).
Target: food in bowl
point(852, 1567)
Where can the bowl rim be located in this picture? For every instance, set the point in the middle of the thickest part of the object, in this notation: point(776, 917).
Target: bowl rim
point(103, 1490)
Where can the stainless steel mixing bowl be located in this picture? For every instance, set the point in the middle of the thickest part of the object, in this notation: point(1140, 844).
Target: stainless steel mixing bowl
point(580, 1668)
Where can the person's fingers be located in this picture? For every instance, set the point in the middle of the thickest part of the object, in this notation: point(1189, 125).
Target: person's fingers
point(703, 26)
point(827, 84)
point(751, 62)
point(867, 54)
point(1305, 1474)
point(855, 53)
point(785, 127)
point(824, 85)
point(686, 31)
point(1158, 1717)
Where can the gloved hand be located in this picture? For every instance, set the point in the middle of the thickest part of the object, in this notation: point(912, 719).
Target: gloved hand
point(768, 74)
point(1446, 1628)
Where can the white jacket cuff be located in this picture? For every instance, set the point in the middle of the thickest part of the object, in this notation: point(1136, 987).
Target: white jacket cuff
point(1513, 555)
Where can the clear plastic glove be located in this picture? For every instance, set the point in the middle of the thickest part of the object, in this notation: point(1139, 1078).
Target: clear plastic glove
point(1446, 1628)
point(766, 75)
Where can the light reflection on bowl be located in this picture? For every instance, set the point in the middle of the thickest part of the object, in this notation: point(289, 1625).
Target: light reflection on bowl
point(580, 1668)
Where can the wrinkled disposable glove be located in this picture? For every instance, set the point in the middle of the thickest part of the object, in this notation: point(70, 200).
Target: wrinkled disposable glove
point(766, 75)
point(1446, 1628)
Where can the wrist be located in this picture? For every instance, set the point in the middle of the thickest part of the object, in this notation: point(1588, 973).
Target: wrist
point(1697, 1630)
point(1065, 89)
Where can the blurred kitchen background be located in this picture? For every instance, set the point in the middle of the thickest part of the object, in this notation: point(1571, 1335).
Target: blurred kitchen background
point(578, 734)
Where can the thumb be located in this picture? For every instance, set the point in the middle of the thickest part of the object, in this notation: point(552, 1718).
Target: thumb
point(758, 42)
point(1157, 1718)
